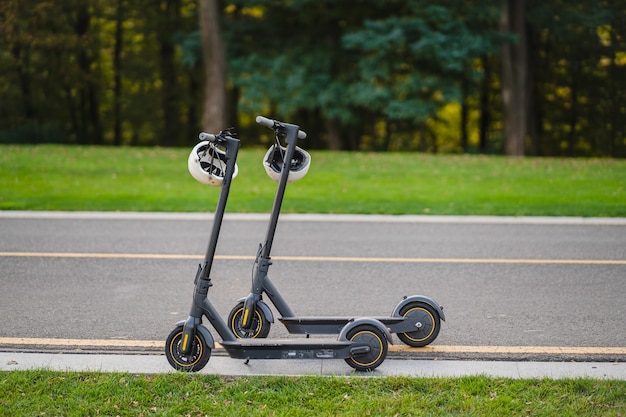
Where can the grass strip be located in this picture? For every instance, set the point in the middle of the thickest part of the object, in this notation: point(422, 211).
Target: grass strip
point(42, 392)
point(57, 177)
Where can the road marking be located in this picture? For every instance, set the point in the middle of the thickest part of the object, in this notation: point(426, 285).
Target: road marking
point(102, 255)
point(545, 350)
point(81, 342)
point(118, 343)
point(316, 258)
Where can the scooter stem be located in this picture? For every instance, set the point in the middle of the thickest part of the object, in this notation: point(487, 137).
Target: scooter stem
point(203, 280)
point(232, 148)
point(291, 139)
point(260, 279)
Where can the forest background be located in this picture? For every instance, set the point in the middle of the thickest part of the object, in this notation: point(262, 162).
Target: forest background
point(514, 77)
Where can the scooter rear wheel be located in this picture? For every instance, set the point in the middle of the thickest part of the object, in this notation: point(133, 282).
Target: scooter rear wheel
point(376, 341)
point(428, 321)
point(260, 327)
point(197, 358)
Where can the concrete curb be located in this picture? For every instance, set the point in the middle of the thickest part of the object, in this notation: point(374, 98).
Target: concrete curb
point(154, 364)
point(128, 215)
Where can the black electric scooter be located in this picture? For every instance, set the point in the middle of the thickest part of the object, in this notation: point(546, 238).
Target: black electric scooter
point(362, 343)
point(415, 319)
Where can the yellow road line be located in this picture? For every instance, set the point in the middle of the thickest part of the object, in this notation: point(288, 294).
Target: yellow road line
point(544, 350)
point(454, 260)
point(100, 255)
point(81, 342)
point(317, 258)
point(117, 343)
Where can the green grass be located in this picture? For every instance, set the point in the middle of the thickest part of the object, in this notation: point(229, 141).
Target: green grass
point(39, 393)
point(54, 177)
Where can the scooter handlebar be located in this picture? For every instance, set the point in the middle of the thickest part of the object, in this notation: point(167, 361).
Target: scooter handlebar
point(264, 121)
point(206, 136)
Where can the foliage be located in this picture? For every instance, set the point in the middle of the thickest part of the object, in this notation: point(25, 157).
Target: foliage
point(418, 60)
point(53, 177)
point(356, 74)
point(579, 85)
point(56, 69)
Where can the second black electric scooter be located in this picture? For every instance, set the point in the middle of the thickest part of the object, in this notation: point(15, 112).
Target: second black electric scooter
point(362, 343)
point(415, 319)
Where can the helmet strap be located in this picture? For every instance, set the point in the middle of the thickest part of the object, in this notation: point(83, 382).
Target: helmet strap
point(277, 146)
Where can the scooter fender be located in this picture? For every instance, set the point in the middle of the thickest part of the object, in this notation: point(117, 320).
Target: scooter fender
point(343, 335)
point(205, 332)
point(424, 299)
point(264, 308)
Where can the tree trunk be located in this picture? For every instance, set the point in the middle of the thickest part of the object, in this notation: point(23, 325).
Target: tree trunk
point(485, 108)
point(334, 135)
point(618, 127)
point(464, 113)
point(22, 58)
point(573, 114)
point(192, 122)
point(515, 92)
point(167, 62)
point(91, 131)
point(117, 74)
point(214, 57)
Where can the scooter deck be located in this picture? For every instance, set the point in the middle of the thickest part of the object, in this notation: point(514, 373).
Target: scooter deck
point(333, 325)
point(288, 349)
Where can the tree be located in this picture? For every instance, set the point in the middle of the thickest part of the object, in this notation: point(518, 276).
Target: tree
point(117, 73)
point(168, 19)
point(514, 79)
point(578, 75)
point(415, 61)
point(55, 59)
point(372, 73)
point(287, 59)
point(214, 58)
point(356, 74)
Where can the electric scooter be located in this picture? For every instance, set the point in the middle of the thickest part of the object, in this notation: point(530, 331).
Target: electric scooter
point(415, 319)
point(362, 343)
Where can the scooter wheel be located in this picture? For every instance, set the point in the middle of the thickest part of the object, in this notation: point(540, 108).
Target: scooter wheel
point(428, 322)
point(374, 338)
point(192, 362)
point(260, 327)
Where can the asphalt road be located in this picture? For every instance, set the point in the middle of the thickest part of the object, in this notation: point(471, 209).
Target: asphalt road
point(502, 282)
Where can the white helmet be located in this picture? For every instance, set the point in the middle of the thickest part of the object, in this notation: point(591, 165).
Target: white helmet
point(207, 164)
point(273, 163)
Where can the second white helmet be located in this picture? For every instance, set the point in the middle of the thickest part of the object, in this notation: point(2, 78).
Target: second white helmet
point(274, 158)
point(207, 164)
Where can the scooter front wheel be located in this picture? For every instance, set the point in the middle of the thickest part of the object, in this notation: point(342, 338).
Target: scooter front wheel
point(197, 358)
point(427, 321)
point(259, 328)
point(376, 341)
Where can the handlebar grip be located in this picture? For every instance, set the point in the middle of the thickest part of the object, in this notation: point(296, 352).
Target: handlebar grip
point(264, 121)
point(207, 136)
